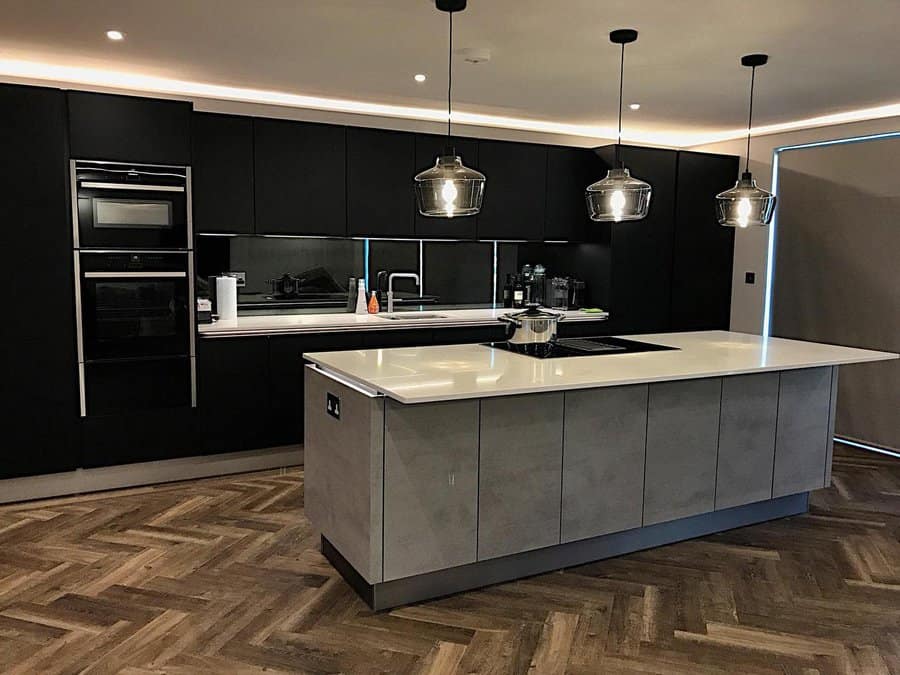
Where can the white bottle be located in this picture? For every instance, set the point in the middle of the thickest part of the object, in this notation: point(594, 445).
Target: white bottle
point(362, 307)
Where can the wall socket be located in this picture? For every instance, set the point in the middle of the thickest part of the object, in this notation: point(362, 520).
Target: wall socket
point(241, 278)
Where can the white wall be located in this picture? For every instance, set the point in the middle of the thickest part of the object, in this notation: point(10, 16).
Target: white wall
point(751, 246)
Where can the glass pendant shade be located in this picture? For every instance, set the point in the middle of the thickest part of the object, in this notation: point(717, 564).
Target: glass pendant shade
point(449, 189)
point(745, 204)
point(618, 197)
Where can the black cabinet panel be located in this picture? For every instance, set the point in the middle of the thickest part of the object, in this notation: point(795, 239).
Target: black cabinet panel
point(286, 383)
point(233, 394)
point(140, 436)
point(129, 128)
point(38, 362)
point(299, 178)
point(428, 148)
point(642, 249)
point(515, 192)
point(472, 335)
point(222, 173)
point(703, 253)
point(569, 172)
point(380, 169)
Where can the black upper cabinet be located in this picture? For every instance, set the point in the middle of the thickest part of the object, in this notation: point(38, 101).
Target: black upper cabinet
point(428, 148)
point(703, 253)
point(38, 362)
point(222, 173)
point(515, 192)
point(569, 172)
point(129, 129)
point(380, 169)
point(642, 249)
point(299, 178)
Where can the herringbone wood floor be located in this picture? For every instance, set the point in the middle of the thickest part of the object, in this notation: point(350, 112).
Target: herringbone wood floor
point(224, 575)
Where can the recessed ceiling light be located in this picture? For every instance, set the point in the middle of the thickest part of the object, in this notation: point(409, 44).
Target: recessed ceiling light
point(634, 106)
point(420, 77)
point(115, 35)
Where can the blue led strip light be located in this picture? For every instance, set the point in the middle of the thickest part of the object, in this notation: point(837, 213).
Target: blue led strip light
point(770, 254)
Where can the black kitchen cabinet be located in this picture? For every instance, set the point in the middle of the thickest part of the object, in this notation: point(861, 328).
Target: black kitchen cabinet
point(515, 191)
point(138, 436)
point(129, 128)
point(380, 169)
point(286, 384)
point(299, 178)
point(569, 172)
point(469, 335)
point(39, 363)
point(222, 173)
point(233, 394)
point(641, 258)
point(703, 250)
point(428, 148)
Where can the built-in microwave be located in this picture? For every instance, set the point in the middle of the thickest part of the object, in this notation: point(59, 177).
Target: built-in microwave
point(138, 206)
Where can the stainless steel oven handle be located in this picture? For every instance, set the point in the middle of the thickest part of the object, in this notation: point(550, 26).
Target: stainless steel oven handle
point(130, 186)
point(135, 275)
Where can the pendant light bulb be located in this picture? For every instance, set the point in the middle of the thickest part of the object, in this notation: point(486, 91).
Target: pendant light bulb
point(449, 189)
point(746, 203)
point(619, 196)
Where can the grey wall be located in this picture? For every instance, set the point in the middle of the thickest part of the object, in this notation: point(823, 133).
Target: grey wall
point(836, 271)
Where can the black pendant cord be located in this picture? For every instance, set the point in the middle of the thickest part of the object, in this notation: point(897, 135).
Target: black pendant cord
point(750, 118)
point(621, 83)
point(449, 76)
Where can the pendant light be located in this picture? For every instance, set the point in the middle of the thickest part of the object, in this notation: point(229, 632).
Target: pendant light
point(449, 189)
point(746, 204)
point(619, 196)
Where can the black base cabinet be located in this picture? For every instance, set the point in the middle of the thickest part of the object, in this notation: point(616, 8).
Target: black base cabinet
point(233, 394)
point(139, 436)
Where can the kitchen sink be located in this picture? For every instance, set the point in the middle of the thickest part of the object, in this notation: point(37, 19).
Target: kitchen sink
point(407, 316)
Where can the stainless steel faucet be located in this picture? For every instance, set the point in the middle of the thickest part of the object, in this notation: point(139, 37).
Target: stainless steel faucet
point(390, 291)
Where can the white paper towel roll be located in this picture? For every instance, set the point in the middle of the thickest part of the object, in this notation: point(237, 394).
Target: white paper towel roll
point(226, 298)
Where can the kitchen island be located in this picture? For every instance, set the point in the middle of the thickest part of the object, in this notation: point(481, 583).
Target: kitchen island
point(434, 470)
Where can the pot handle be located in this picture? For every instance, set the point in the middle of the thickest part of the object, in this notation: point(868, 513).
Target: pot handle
point(511, 324)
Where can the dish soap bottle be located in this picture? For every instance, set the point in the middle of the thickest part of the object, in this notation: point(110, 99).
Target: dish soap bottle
point(361, 307)
point(373, 304)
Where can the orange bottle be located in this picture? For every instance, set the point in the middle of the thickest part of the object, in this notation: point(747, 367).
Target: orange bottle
point(373, 304)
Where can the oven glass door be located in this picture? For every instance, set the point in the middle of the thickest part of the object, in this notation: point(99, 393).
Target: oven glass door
point(132, 217)
point(134, 314)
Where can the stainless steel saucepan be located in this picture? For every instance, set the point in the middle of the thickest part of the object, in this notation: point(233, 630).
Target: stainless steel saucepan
point(531, 326)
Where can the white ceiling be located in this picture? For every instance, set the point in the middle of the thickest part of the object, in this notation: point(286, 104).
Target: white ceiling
point(551, 62)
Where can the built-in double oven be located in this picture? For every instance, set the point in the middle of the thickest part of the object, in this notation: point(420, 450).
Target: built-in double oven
point(134, 287)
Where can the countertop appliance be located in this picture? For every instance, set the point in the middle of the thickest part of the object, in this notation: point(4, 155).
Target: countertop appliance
point(118, 205)
point(136, 345)
point(590, 346)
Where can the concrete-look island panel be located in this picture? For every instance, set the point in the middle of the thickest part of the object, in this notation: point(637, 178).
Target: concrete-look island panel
point(435, 470)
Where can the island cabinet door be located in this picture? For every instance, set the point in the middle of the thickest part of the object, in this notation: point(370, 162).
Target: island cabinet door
point(746, 439)
point(430, 486)
point(682, 439)
point(803, 439)
point(603, 461)
point(520, 471)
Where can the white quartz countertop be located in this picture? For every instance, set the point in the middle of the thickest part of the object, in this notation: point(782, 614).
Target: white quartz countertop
point(318, 323)
point(443, 373)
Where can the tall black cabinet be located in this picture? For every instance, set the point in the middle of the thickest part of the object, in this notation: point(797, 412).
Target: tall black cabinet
point(40, 368)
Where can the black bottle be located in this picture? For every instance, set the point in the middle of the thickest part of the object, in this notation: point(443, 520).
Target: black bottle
point(519, 292)
point(508, 292)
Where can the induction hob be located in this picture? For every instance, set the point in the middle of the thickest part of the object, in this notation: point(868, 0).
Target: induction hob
point(590, 346)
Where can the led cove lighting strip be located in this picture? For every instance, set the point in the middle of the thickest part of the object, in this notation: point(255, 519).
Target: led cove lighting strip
point(135, 82)
point(770, 249)
point(870, 448)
